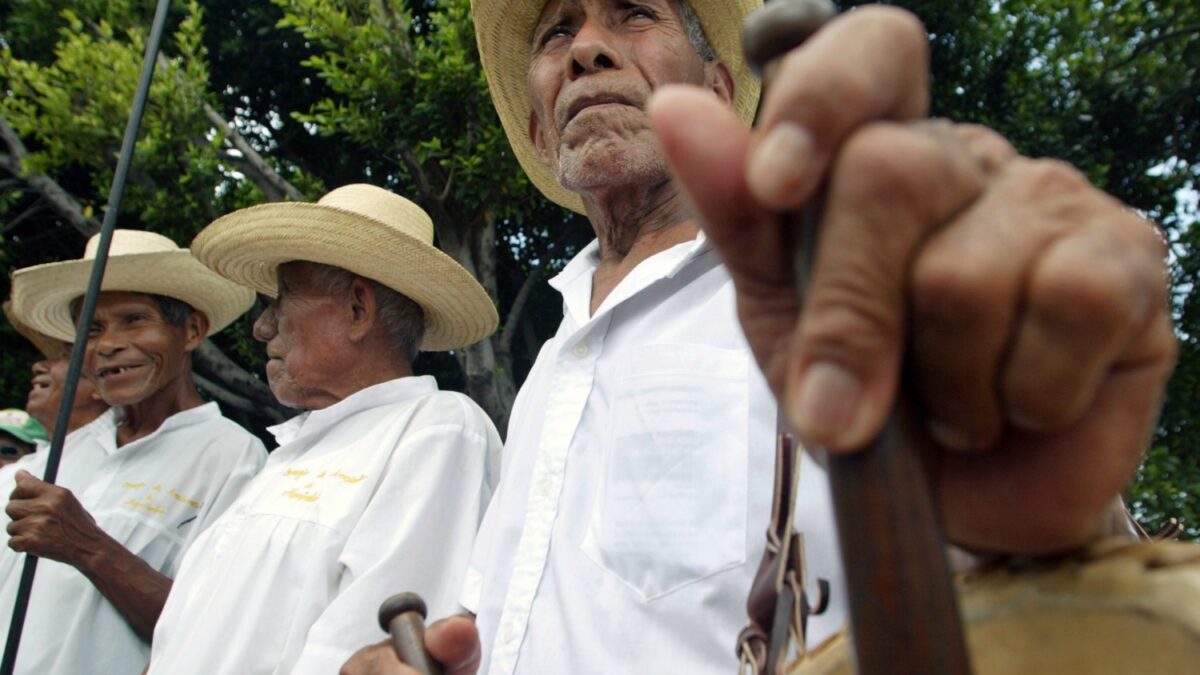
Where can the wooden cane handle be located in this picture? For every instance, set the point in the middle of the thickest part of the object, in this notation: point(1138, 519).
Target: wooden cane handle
point(903, 608)
point(403, 616)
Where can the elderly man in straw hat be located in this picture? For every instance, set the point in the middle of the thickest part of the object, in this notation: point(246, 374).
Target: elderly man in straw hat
point(141, 481)
point(379, 486)
point(625, 533)
point(49, 378)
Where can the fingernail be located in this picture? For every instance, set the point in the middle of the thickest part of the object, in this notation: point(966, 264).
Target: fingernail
point(778, 170)
point(825, 409)
point(951, 437)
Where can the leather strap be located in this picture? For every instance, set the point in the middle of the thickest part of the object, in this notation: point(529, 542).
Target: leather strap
point(778, 607)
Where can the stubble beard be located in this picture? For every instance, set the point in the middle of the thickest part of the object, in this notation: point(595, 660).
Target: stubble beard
point(599, 152)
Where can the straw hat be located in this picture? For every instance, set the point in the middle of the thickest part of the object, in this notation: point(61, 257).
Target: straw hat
point(363, 229)
point(141, 262)
point(504, 30)
point(45, 344)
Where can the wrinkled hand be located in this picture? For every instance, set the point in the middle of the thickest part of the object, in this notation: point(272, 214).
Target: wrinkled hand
point(453, 641)
point(48, 522)
point(1030, 307)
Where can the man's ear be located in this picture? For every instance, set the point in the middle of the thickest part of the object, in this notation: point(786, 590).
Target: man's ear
point(195, 329)
point(362, 309)
point(539, 143)
point(720, 81)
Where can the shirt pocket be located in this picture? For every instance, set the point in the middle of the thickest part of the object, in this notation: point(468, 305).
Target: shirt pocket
point(671, 508)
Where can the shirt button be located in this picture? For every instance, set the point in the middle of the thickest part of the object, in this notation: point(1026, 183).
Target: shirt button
point(580, 350)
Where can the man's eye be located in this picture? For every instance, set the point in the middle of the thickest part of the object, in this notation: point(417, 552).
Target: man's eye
point(555, 32)
point(641, 13)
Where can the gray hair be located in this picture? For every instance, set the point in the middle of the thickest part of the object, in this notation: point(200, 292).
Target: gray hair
point(695, 32)
point(403, 319)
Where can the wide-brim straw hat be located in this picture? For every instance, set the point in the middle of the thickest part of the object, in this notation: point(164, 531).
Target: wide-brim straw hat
point(45, 344)
point(504, 31)
point(138, 262)
point(362, 229)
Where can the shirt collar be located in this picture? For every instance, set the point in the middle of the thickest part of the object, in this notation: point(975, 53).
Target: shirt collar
point(105, 426)
point(314, 421)
point(574, 282)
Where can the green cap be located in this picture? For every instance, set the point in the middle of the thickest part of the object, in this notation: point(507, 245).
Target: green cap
point(22, 425)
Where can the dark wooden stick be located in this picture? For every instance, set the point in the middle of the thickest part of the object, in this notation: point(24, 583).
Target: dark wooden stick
point(903, 609)
point(403, 616)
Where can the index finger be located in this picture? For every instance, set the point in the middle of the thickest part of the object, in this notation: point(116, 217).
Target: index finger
point(866, 65)
point(28, 485)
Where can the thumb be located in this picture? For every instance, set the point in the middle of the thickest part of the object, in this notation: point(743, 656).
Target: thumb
point(454, 642)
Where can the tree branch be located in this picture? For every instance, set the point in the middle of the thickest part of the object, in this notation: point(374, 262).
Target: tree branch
point(37, 206)
point(268, 180)
point(59, 199)
point(240, 403)
point(446, 188)
point(1137, 51)
point(418, 172)
point(211, 361)
point(513, 319)
point(382, 12)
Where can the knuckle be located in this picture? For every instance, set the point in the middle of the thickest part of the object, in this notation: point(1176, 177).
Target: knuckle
point(845, 325)
point(954, 289)
point(1146, 234)
point(905, 28)
point(883, 159)
point(1044, 178)
point(1088, 297)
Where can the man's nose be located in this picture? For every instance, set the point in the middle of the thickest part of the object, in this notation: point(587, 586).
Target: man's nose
point(106, 342)
point(593, 49)
point(265, 326)
point(41, 366)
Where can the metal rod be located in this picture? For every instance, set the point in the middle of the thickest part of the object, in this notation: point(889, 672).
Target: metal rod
point(17, 623)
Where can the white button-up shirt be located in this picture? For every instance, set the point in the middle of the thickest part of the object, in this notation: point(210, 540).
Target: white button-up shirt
point(637, 485)
point(379, 493)
point(154, 495)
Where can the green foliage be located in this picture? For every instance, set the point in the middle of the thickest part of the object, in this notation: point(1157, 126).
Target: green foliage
point(402, 87)
point(74, 110)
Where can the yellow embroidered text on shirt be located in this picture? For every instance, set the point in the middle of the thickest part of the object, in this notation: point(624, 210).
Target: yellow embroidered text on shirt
point(305, 496)
point(301, 496)
point(144, 506)
point(185, 500)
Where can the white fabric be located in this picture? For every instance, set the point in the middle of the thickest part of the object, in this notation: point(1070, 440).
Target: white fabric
point(154, 495)
point(379, 493)
point(637, 485)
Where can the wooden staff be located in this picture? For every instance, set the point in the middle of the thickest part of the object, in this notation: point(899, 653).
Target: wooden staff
point(403, 617)
point(903, 610)
point(25, 587)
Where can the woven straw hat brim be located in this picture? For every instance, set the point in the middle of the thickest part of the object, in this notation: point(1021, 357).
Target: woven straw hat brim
point(48, 346)
point(248, 246)
point(504, 30)
point(42, 294)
